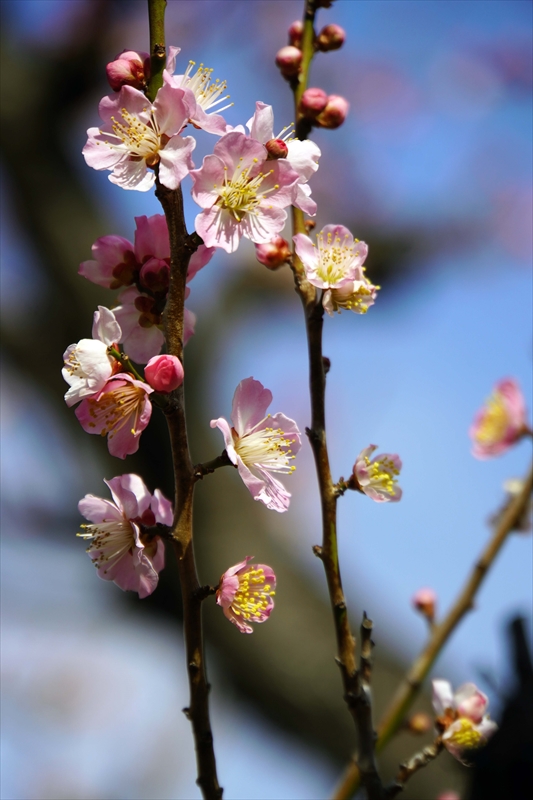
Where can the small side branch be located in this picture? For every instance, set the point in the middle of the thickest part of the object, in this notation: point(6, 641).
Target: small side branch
point(210, 466)
point(407, 770)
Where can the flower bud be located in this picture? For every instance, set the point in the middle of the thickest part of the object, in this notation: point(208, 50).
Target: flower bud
point(164, 373)
point(155, 275)
point(130, 68)
point(331, 38)
point(424, 601)
point(334, 113)
point(288, 60)
point(419, 723)
point(295, 33)
point(313, 102)
point(273, 254)
point(276, 148)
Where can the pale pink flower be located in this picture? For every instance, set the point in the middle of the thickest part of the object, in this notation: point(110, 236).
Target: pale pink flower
point(425, 601)
point(259, 444)
point(501, 422)
point(206, 93)
point(245, 594)
point(164, 373)
point(136, 135)
point(132, 68)
point(119, 550)
point(242, 193)
point(462, 718)
point(377, 478)
point(335, 264)
point(121, 411)
point(88, 365)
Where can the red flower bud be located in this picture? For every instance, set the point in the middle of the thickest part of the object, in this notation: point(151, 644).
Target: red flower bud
point(295, 33)
point(334, 113)
point(331, 38)
point(273, 254)
point(288, 60)
point(313, 102)
point(276, 148)
point(130, 68)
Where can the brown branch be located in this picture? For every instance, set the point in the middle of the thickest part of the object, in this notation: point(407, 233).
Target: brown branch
point(418, 761)
point(411, 684)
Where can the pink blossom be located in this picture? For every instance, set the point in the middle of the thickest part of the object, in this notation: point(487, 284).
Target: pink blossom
point(259, 444)
point(119, 550)
point(273, 254)
point(462, 718)
point(245, 594)
point(132, 68)
point(242, 193)
point(335, 264)
point(88, 365)
point(424, 601)
point(121, 411)
point(164, 373)
point(136, 135)
point(377, 477)
point(206, 94)
point(501, 422)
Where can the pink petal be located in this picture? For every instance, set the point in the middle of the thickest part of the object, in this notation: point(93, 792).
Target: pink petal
point(261, 125)
point(223, 426)
point(470, 702)
point(132, 174)
point(162, 508)
point(238, 621)
point(237, 151)
point(97, 154)
point(442, 696)
point(218, 228)
point(189, 324)
point(176, 161)
point(171, 109)
point(229, 586)
point(151, 238)
point(96, 509)
point(158, 559)
point(199, 259)
point(273, 494)
point(249, 406)
point(142, 344)
point(303, 157)
point(108, 252)
point(264, 226)
point(105, 326)
point(206, 180)
point(306, 251)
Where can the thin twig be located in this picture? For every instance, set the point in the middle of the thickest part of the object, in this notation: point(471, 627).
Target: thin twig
point(407, 770)
point(208, 467)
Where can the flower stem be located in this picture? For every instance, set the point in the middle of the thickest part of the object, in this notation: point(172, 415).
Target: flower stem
point(156, 17)
point(441, 632)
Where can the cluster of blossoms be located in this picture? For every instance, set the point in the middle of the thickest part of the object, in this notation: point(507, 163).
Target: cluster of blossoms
point(461, 718)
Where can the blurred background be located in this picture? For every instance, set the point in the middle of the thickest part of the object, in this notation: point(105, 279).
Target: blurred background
point(433, 170)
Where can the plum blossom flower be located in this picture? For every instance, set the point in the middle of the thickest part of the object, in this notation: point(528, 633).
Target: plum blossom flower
point(242, 193)
point(206, 93)
point(377, 478)
point(501, 422)
point(259, 444)
point(118, 547)
point(245, 594)
point(335, 264)
point(88, 365)
point(164, 373)
point(461, 717)
point(137, 135)
point(121, 410)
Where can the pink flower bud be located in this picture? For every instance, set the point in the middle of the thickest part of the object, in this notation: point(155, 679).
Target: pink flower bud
point(276, 148)
point(273, 254)
point(334, 113)
point(424, 601)
point(419, 723)
point(313, 102)
point(155, 275)
point(130, 68)
point(295, 33)
point(288, 60)
point(164, 373)
point(331, 38)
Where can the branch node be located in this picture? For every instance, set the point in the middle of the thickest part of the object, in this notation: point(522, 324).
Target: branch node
point(317, 550)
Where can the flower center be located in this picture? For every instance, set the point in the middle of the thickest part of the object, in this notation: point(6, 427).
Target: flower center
point(116, 408)
point(268, 448)
point(335, 257)
point(252, 598)
point(467, 736)
point(207, 94)
point(110, 541)
point(381, 472)
point(139, 139)
point(494, 422)
point(354, 300)
point(239, 195)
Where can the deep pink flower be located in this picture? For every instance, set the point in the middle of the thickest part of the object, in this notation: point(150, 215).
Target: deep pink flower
point(164, 373)
point(242, 193)
point(120, 552)
point(335, 264)
point(501, 422)
point(137, 135)
point(121, 411)
point(425, 601)
point(462, 718)
point(245, 594)
point(260, 444)
point(377, 478)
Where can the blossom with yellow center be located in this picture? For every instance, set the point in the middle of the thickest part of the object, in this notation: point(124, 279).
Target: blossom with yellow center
point(378, 477)
point(245, 593)
point(501, 422)
point(461, 717)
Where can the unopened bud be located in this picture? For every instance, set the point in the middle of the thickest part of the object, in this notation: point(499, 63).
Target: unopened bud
point(419, 723)
point(313, 101)
point(334, 113)
point(296, 32)
point(288, 60)
point(424, 601)
point(273, 254)
point(130, 68)
point(164, 373)
point(155, 275)
point(331, 38)
point(277, 148)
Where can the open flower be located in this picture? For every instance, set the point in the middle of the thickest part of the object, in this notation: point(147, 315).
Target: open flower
point(121, 411)
point(335, 264)
point(259, 444)
point(206, 93)
point(501, 422)
point(461, 717)
point(377, 478)
point(121, 552)
point(241, 192)
point(245, 594)
point(88, 364)
point(137, 135)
